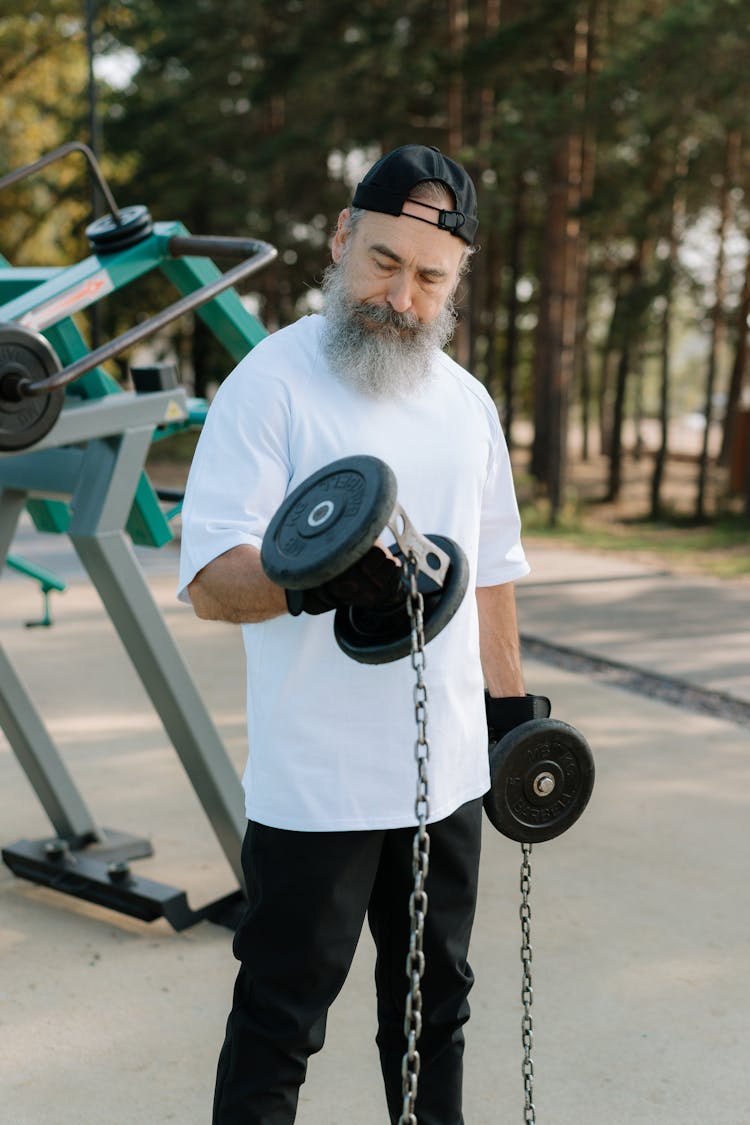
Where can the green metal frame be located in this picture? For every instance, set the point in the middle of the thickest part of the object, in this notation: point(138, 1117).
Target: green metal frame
point(86, 478)
point(29, 295)
point(94, 456)
point(45, 578)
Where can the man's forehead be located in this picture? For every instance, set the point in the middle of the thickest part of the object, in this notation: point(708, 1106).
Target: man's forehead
point(411, 240)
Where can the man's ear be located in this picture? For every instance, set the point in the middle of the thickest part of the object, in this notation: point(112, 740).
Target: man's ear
point(343, 232)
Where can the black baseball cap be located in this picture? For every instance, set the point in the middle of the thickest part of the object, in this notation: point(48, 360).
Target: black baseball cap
point(387, 185)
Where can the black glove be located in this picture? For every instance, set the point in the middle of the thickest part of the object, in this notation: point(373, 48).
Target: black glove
point(374, 582)
point(506, 712)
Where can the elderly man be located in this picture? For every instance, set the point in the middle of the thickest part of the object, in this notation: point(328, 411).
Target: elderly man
point(330, 778)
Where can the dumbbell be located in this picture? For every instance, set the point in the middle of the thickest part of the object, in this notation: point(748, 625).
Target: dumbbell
point(542, 776)
point(330, 521)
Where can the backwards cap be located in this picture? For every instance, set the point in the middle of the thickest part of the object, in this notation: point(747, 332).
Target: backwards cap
point(387, 185)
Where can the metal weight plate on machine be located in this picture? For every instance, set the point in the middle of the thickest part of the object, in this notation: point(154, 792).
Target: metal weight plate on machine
point(26, 356)
point(106, 235)
point(542, 775)
point(374, 637)
point(328, 522)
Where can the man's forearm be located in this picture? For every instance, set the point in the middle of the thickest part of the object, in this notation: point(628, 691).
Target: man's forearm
point(499, 646)
point(233, 587)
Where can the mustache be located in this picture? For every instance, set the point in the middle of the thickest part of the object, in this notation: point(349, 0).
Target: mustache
point(374, 348)
point(386, 317)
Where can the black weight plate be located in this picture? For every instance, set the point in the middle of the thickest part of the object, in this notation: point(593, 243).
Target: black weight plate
point(107, 231)
point(26, 355)
point(105, 235)
point(542, 775)
point(379, 638)
point(328, 522)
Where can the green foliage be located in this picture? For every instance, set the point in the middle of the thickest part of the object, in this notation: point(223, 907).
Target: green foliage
point(42, 78)
point(252, 118)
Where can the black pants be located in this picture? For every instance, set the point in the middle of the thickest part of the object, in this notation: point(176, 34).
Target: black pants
point(309, 893)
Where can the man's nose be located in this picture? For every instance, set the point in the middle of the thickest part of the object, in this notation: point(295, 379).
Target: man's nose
point(399, 294)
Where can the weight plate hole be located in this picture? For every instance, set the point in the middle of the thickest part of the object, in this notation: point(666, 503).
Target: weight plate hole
point(543, 784)
point(320, 513)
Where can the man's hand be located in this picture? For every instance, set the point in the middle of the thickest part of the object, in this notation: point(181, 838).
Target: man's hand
point(503, 714)
point(372, 583)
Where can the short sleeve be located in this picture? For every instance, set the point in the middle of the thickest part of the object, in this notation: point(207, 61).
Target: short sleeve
point(241, 468)
point(501, 556)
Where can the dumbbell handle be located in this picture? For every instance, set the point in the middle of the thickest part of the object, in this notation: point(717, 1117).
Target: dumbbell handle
point(256, 255)
point(430, 559)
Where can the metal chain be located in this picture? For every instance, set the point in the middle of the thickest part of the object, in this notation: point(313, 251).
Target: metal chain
point(527, 991)
point(415, 962)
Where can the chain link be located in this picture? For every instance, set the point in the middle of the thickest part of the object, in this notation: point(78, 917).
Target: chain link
point(415, 961)
point(527, 991)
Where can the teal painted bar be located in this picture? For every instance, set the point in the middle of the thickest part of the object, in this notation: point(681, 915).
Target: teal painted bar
point(41, 294)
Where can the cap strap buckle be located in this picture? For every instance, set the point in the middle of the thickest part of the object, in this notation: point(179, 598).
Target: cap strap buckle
point(446, 220)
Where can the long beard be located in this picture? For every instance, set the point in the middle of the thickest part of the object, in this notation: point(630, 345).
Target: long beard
point(381, 352)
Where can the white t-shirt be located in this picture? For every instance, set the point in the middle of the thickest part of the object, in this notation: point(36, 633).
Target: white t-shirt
point(331, 741)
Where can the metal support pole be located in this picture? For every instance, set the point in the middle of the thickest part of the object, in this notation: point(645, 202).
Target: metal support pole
point(100, 477)
point(40, 761)
point(24, 729)
point(100, 504)
point(114, 570)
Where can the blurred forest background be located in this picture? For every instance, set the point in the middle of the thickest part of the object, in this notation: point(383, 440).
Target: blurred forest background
point(608, 309)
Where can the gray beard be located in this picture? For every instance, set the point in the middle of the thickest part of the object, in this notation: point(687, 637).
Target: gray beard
point(375, 349)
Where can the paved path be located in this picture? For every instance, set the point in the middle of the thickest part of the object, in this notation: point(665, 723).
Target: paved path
point(640, 917)
point(695, 629)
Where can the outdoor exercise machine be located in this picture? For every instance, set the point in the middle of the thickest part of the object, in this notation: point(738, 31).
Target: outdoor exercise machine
point(73, 446)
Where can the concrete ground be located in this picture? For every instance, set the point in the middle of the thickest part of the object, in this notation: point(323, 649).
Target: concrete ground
point(640, 917)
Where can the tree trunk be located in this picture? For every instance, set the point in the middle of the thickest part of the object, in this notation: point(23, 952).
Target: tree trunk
point(584, 379)
point(604, 413)
point(492, 297)
point(618, 414)
point(675, 230)
point(627, 332)
point(660, 460)
point(485, 281)
point(588, 174)
point(457, 24)
point(515, 247)
point(541, 365)
point(556, 330)
point(739, 365)
point(559, 324)
point(565, 316)
point(717, 317)
point(638, 405)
